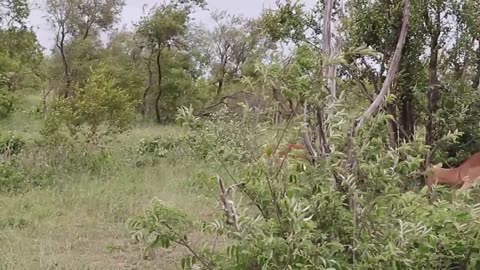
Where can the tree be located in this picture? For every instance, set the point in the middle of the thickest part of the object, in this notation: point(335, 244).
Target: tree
point(99, 109)
point(13, 13)
point(20, 53)
point(163, 30)
point(234, 40)
point(77, 20)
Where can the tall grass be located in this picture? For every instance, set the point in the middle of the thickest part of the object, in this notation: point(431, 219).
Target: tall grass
point(75, 218)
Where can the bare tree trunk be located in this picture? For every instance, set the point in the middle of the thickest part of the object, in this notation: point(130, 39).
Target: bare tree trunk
point(466, 62)
point(407, 117)
point(159, 94)
point(391, 73)
point(150, 81)
point(221, 80)
point(433, 93)
point(320, 148)
point(329, 71)
point(476, 79)
point(392, 126)
point(66, 68)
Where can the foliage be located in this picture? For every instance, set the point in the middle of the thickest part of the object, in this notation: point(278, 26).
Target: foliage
point(11, 179)
point(20, 54)
point(203, 183)
point(226, 138)
point(298, 213)
point(13, 13)
point(163, 33)
point(99, 109)
point(6, 104)
point(357, 204)
point(186, 117)
point(160, 226)
point(81, 18)
point(10, 144)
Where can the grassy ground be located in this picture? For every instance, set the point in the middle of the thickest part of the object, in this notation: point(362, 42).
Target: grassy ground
point(80, 222)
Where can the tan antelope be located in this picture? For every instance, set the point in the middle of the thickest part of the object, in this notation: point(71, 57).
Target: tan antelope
point(465, 176)
point(294, 151)
point(299, 151)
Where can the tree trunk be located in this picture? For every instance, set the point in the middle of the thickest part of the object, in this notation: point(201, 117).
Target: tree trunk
point(159, 94)
point(392, 126)
point(150, 80)
point(329, 71)
point(476, 79)
point(66, 68)
point(407, 116)
point(433, 93)
point(391, 73)
point(221, 80)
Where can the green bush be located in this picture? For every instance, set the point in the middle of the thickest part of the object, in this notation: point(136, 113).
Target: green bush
point(11, 180)
point(155, 228)
point(6, 104)
point(224, 138)
point(203, 183)
point(97, 110)
point(297, 218)
point(10, 144)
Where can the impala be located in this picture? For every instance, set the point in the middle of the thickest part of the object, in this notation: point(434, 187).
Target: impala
point(465, 176)
point(294, 151)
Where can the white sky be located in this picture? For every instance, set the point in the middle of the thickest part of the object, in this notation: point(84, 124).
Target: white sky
point(132, 12)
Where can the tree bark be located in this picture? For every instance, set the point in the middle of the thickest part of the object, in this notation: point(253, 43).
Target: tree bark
point(476, 79)
point(392, 125)
point(392, 71)
point(150, 81)
point(66, 68)
point(433, 92)
point(329, 71)
point(407, 117)
point(221, 80)
point(159, 94)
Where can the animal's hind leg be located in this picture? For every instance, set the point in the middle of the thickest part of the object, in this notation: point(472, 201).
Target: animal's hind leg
point(467, 184)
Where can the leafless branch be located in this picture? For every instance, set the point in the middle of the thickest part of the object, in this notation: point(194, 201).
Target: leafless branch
point(392, 71)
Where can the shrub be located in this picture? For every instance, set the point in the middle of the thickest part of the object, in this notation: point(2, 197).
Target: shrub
point(6, 104)
point(297, 218)
point(155, 228)
point(223, 139)
point(203, 183)
point(97, 110)
point(10, 144)
point(11, 180)
point(153, 147)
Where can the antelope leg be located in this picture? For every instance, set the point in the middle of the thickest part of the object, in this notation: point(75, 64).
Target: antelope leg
point(467, 184)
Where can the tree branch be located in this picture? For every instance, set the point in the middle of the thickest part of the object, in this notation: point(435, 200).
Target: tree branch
point(392, 71)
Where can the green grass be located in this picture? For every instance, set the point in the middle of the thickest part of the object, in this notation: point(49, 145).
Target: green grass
point(81, 221)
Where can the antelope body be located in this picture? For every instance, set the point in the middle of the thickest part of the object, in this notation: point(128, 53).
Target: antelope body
point(295, 147)
point(466, 175)
point(294, 151)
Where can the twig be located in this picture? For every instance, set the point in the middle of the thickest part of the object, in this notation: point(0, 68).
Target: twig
point(250, 196)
